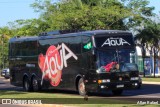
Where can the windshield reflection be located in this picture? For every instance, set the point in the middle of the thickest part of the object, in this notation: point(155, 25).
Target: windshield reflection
point(117, 58)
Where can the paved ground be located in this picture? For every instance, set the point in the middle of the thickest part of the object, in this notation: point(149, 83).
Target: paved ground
point(149, 90)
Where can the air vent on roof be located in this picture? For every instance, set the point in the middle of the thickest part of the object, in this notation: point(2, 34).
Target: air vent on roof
point(69, 31)
point(43, 34)
point(57, 32)
point(17, 37)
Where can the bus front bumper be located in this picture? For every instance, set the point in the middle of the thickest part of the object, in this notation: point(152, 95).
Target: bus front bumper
point(118, 85)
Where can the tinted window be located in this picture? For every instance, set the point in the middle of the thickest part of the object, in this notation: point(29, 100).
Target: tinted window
point(27, 48)
point(120, 56)
point(31, 48)
point(46, 43)
point(75, 44)
point(86, 43)
point(129, 67)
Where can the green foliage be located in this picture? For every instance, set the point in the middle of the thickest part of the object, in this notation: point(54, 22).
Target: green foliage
point(83, 14)
point(70, 15)
point(149, 37)
point(140, 11)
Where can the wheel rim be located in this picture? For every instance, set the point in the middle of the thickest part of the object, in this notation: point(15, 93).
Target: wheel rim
point(82, 87)
point(35, 85)
point(26, 85)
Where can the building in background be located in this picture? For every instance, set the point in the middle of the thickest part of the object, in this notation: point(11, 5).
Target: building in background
point(148, 62)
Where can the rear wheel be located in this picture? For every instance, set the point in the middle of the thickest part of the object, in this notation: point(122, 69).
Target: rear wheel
point(35, 84)
point(117, 92)
point(81, 87)
point(26, 84)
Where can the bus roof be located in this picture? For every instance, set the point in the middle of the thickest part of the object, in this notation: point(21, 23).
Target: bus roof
point(57, 35)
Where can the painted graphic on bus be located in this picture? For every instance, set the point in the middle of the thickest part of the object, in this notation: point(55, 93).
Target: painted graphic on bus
point(115, 42)
point(53, 62)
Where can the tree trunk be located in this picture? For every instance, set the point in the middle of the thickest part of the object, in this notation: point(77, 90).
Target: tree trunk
point(154, 71)
point(143, 66)
point(143, 58)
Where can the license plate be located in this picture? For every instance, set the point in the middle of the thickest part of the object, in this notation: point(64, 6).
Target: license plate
point(120, 86)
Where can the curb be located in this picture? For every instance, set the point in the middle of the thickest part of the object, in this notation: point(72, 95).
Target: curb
point(147, 82)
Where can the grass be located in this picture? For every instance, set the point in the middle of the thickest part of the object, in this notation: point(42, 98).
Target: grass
point(119, 105)
point(51, 97)
point(58, 98)
point(69, 99)
point(151, 79)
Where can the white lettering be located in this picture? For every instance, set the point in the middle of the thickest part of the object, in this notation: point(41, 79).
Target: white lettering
point(67, 56)
point(53, 72)
point(115, 42)
point(55, 60)
point(60, 67)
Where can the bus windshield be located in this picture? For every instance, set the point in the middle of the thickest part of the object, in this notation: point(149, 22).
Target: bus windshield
point(111, 57)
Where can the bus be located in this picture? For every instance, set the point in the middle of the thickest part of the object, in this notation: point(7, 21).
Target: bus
point(82, 61)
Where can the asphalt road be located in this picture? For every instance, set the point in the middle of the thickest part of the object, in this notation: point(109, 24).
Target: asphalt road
point(147, 91)
point(5, 85)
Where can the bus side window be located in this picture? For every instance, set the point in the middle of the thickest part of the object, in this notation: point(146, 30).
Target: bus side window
point(86, 43)
point(17, 49)
point(11, 50)
point(88, 58)
point(32, 48)
point(75, 44)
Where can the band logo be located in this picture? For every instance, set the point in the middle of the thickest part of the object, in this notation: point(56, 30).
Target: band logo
point(115, 42)
point(53, 62)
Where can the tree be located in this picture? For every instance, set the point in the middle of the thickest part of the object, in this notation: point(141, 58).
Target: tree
point(82, 14)
point(140, 10)
point(5, 33)
point(149, 36)
point(67, 15)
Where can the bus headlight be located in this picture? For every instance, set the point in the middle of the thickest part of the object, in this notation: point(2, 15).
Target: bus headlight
point(134, 78)
point(103, 81)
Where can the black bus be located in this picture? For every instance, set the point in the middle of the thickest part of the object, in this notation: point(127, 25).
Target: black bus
point(86, 61)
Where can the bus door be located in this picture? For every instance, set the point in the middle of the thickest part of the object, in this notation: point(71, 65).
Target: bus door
point(88, 62)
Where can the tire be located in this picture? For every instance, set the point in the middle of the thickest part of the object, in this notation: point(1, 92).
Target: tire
point(81, 87)
point(117, 92)
point(35, 84)
point(26, 85)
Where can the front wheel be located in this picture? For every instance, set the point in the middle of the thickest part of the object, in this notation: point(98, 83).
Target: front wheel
point(81, 87)
point(117, 92)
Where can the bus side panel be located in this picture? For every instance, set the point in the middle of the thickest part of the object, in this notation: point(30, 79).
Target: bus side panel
point(23, 60)
point(71, 72)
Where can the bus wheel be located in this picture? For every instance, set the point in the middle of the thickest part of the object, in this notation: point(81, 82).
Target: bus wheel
point(81, 87)
point(35, 84)
point(26, 84)
point(117, 92)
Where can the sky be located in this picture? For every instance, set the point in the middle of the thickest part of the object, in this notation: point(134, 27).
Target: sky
point(11, 10)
